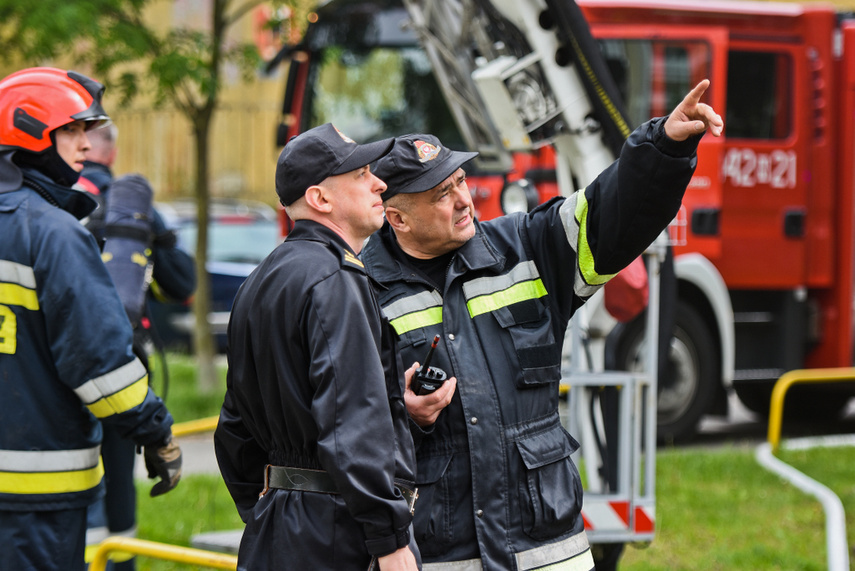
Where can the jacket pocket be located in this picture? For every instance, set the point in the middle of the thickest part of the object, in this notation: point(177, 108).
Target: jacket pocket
point(550, 490)
point(412, 338)
point(432, 517)
point(529, 327)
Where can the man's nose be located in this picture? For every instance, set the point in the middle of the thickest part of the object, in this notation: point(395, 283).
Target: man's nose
point(461, 195)
point(379, 185)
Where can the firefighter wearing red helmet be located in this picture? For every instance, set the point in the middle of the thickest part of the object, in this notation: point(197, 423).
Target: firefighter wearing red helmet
point(66, 359)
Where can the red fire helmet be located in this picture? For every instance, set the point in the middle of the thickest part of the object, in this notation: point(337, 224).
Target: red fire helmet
point(35, 101)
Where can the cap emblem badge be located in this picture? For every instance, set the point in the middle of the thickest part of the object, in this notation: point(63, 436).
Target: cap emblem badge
point(426, 151)
point(344, 137)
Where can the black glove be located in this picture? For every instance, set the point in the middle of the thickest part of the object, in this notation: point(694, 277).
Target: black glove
point(163, 460)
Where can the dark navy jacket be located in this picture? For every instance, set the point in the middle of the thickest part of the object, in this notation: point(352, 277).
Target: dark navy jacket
point(498, 489)
point(314, 381)
point(65, 351)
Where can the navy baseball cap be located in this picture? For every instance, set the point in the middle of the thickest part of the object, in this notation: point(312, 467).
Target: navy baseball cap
point(417, 163)
point(310, 157)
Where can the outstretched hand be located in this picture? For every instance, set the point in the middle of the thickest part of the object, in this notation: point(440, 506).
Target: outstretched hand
point(691, 117)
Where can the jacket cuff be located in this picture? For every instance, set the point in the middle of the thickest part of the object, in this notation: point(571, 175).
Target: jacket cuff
point(670, 147)
point(389, 544)
point(418, 433)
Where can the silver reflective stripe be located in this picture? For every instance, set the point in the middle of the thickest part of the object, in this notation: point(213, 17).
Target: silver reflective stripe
point(95, 535)
point(12, 272)
point(49, 460)
point(571, 225)
point(522, 272)
point(568, 219)
point(467, 565)
point(571, 554)
point(412, 304)
point(132, 532)
point(111, 383)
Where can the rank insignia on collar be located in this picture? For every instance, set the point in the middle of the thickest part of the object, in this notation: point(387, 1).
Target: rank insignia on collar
point(353, 260)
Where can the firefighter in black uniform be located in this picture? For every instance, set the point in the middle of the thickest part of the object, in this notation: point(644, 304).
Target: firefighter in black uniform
point(499, 488)
point(314, 418)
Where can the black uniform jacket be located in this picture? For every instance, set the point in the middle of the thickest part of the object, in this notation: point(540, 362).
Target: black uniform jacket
point(498, 488)
point(314, 381)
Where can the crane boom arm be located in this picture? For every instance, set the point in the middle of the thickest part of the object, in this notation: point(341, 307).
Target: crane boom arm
point(521, 74)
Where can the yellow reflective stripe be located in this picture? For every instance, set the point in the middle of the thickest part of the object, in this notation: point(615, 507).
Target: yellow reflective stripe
point(524, 271)
point(121, 401)
point(14, 294)
point(424, 318)
point(111, 382)
point(51, 482)
point(522, 291)
point(586, 257)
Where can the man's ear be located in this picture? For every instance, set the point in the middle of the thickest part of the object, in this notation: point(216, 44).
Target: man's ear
point(317, 199)
point(398, 220)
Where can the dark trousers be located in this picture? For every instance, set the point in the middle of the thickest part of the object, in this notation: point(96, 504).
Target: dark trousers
point(118, 509)
point(43, 540)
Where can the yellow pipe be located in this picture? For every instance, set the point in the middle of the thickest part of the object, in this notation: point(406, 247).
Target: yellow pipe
point(788, 379)
point(164, 551)
point(195, 426)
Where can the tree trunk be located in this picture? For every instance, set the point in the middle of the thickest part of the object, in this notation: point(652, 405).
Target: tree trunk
point(203, 341)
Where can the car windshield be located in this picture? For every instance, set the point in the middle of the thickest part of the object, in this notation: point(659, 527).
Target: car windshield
point(246, 241)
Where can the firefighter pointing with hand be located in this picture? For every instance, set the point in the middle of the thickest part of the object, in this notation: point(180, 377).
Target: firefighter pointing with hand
point(497, 486)
point(66, 359)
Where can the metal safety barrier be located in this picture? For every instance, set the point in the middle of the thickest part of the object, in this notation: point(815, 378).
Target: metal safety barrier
point(195, 426)
point(835, 519)
point(790, 378)
point(164, 551)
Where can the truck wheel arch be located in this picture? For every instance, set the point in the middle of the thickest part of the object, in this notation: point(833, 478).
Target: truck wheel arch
point(700, 283)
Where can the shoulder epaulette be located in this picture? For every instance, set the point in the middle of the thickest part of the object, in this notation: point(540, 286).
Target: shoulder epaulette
point(349, 259)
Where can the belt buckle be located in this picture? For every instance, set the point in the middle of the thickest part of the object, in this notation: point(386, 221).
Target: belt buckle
point(412, 496)
point(266, 481)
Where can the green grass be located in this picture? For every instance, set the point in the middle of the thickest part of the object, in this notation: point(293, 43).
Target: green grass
point(199, 504)
point(717, 508)
point(181, 392)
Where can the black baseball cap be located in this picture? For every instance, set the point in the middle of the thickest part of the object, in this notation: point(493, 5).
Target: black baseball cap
point(417, 163)
point(310, 157)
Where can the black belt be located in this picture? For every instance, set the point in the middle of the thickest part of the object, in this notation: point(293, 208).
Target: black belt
point(306, 480)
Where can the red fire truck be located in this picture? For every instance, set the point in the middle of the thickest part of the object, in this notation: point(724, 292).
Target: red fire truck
point(763, 247)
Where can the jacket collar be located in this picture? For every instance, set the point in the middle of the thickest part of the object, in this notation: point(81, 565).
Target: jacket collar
point(311, 231)
point(10, 174)
point(476, 254)
point(78, 203)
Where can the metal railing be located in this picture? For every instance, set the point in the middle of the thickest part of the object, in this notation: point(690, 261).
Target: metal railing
point(164, 551)
point(790, 378)
point(837, 545)
point(195, 426)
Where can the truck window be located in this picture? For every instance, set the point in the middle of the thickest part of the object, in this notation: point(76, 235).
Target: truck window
point(654, 75)
point(372, 94)
point(759, 95)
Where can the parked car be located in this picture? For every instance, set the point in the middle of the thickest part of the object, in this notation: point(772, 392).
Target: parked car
point(240, 235)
